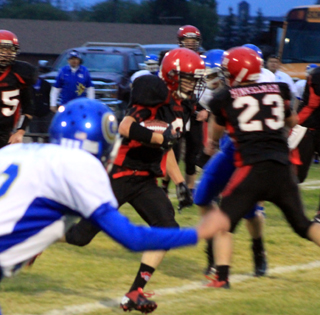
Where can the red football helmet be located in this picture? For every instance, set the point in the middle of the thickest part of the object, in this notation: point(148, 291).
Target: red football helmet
point(183, 63)
point(241, 64)
point(191, 32)
point(9, 47)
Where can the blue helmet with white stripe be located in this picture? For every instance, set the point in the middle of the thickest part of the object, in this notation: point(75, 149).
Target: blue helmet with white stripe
point(212, 60)
point(86, 124)
point(152, 63)
point(255, 48)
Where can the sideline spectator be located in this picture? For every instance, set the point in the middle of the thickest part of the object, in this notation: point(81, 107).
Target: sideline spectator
point(273, 64)
point(72, 81)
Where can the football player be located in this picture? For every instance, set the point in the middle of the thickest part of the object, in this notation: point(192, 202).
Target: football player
point(255, 114)
point(138, 165)
point(58, 182)
point(190, 37)
point(16, 81)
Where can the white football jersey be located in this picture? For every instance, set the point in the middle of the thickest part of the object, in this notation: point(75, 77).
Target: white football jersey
point(266, 76)
point(40, 186)
point(300, 86)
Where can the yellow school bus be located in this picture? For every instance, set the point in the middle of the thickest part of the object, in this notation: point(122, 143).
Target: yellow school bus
point(300, 42)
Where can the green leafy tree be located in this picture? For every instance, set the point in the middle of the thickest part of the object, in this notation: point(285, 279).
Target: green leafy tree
point(203, 15)
point(175, 12)
point(258, 28)
point(117, 11)
point(32, 9)
point(244, 34)
point(228, 33)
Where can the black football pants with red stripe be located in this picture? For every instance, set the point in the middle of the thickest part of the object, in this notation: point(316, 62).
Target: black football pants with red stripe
point(270, 181)
point(144, 195)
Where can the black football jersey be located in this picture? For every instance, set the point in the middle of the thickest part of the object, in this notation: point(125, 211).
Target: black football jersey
point(151, 99)
point(16, 92)
point(309, 109)
point(255, 116)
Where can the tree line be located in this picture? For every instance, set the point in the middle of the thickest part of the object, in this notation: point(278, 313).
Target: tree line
point(216, 32)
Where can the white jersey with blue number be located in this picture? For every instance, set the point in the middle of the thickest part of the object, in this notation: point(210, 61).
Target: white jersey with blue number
point(39, 185)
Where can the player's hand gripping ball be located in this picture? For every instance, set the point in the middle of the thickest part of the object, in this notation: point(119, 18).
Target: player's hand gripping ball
point(169, 134)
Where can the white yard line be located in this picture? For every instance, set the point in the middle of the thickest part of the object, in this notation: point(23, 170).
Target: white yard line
point(81, 309)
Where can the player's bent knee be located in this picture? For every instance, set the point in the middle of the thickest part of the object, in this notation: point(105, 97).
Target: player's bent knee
point(77, 237)
point(302, 230)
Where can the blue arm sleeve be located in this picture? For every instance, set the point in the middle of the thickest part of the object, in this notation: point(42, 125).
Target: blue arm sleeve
point(140, 238)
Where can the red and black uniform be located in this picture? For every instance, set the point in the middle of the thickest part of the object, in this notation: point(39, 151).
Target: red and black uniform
point(309, 116)
point(136, 167)
point(16, 95)
point(255, 117)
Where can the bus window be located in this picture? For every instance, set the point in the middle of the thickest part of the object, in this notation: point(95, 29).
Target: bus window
point(300, 43)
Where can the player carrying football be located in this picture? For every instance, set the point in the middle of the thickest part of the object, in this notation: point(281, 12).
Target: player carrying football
point(137, 165)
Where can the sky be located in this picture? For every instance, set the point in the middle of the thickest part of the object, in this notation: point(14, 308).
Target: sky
point(268, 7)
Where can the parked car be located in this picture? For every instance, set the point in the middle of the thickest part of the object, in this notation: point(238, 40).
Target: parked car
point(111, 66)
point(155, 49)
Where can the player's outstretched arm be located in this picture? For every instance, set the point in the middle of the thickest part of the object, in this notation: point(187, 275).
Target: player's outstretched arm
point(140, 238)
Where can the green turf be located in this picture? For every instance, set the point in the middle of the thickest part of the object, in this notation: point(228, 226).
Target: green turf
point(65, 276)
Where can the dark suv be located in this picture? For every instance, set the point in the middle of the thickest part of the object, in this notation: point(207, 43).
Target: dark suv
point(111, 66)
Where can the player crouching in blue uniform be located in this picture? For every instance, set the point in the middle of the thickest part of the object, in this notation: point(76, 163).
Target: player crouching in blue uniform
point(56, 183)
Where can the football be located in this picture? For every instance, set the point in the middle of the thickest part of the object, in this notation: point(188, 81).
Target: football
point(155, 125)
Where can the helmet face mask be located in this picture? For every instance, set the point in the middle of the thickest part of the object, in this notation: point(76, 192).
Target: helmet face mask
point(152, 63)
point(212, 60)
point(8, 55)
point(189, 37)
point(9, 48)
point(86, 124)
point(183, 72)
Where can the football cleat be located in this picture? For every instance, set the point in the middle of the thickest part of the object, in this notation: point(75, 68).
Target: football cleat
point(209, 272)
point(260, 263)
point(216, 283)
point(137, 300)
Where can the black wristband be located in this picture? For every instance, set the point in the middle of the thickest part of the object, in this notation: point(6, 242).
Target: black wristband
point(24, 122)
point(140, 133)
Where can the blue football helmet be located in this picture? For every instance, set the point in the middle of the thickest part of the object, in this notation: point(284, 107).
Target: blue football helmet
point(310, 67)
point(212, 60)
point(86, 124)
point(255, 48)
point(152, 63)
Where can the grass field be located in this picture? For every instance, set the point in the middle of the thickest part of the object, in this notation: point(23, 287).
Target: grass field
point(67, 280)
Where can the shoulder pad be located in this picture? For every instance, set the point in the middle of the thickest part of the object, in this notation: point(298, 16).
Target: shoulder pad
point(26, 71)
point(148, 90)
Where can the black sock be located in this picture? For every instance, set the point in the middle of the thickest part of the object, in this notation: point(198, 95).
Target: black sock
point(143, 276)
point(222, 272)
point(209, 252)
point(257, 245)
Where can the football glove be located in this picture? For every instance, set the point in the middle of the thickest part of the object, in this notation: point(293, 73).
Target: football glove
point(184, 196)
point(169, 139)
